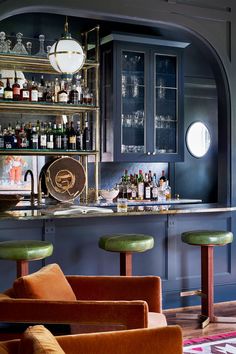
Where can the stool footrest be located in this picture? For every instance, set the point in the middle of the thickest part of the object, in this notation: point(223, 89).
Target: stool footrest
point(192, 292)
point(223, 319)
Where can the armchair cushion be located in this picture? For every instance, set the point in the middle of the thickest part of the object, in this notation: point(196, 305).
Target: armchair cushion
point(39, 340)
point(49, 283)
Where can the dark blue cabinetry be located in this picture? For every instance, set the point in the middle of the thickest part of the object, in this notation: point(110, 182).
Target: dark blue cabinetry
point(142, 100)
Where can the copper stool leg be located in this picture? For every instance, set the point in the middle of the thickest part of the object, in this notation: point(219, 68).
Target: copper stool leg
point(126, 263)
point(22, 268)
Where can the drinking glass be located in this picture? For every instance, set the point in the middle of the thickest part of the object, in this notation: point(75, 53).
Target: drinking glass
point(122, 205)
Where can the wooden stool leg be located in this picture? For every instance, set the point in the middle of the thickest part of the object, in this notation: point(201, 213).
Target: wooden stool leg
point(126, 263)
point(207, 279)
point(22, 268)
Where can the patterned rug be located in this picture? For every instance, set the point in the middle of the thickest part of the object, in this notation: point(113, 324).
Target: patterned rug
point(216, 344)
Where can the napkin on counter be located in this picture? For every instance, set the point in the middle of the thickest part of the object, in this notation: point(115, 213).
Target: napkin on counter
point(77, 209)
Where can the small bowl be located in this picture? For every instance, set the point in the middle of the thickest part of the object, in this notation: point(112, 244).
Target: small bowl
point(8, 201)
point(109, 194)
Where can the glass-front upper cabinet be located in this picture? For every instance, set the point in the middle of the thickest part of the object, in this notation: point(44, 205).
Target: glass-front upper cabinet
point(142, 101)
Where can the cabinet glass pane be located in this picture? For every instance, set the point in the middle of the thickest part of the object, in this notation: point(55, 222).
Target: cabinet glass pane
point(132, 102)
point(165, 104)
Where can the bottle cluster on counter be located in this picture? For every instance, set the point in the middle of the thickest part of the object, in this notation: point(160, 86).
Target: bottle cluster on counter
point(144, 186)
point(58, 91)
point(46, 135)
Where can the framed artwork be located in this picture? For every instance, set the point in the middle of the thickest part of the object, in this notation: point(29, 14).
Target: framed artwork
point(12, 171)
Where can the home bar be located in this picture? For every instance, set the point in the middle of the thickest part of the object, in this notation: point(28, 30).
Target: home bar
point(140, 140)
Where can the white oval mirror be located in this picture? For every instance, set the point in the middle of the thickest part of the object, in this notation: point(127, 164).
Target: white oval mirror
point(198, 139)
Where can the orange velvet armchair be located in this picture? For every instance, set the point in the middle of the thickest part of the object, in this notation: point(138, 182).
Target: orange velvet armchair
point(37, 339)
point(87, 303)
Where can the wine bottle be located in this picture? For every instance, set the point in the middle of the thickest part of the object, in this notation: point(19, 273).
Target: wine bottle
point(72, 137)
point(16, 89)
point(86, 137)
point(8, 92)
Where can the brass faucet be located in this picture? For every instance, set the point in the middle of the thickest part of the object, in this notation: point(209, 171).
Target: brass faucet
point(29, 172)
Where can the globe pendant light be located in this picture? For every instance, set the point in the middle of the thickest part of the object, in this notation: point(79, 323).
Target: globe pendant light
point(66, 55)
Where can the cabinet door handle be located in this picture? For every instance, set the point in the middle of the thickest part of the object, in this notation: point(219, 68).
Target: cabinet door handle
point(148, 153)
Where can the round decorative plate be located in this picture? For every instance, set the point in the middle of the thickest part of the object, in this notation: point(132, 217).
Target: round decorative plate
point(65, 179)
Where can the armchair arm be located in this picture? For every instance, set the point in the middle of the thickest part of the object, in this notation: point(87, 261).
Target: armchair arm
point(131, 314)
point(165, 340)
point(146, 288)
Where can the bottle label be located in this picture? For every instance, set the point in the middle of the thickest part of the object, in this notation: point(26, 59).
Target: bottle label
point(58, 142)
point(154, 192)
point(1, 91)
point(140, 190)
point(25, 94)
point(43, 141)
point(34, 95)
point(72, 139)
point(8, 95)
point(147, 192)
point(63, 97)
point(16, 91)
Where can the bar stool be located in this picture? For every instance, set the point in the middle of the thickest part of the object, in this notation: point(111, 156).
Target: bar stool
point(23, 251)
point(126, 244)
point(207, 239)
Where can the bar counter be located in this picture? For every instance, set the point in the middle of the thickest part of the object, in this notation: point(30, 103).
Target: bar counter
point(25, 212)
point(75, 236)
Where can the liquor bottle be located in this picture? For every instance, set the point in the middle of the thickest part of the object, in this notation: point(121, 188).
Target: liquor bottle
point(24, 92)
point(74, 95)
point(58, 137)
point(34, 93)
point(134, 191)
point(64, 139)
point(50, 137)
point(1, 88)
point(147, 188)
point(163, 177)
point(168, 191)
point(79, 137)
point(1, 138)
point(42, 136)
point(72, 137)
point(10, 141)
point(16, 89)
point(154, 187)
point(86, 137)
point(48, 93)
point(8, 92)
point(34, 141)
point(62, 94)
point(56, 89)
point(22, 138)
point(78, 86)
point(41, 90)
point(140, 185)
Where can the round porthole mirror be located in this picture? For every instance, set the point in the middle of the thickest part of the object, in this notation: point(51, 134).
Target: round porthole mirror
point(198, 139)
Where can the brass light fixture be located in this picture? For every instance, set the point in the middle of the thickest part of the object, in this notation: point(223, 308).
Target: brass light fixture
point(66, 55)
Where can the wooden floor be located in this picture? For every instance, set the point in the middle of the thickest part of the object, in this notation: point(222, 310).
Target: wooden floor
point(191, 328)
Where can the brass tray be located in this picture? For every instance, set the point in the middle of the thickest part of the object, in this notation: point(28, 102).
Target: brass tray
point(65, 179)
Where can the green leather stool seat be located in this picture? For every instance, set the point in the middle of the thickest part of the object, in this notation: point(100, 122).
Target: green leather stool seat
point(207, 237)
point(23, 251)
point(126, 242)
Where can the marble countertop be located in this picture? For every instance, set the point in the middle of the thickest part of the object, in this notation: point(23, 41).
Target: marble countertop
point(25, 212)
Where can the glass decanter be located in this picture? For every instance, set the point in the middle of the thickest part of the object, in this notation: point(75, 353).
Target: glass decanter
point(19, 47)
point(3, 43)
point(41, 52)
